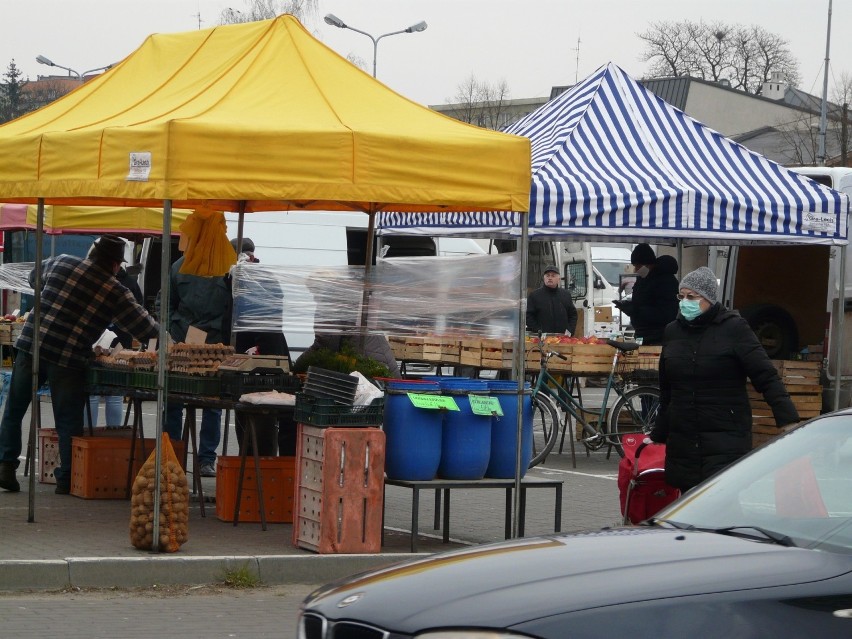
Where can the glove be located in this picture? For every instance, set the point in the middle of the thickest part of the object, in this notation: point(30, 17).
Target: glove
point(617, 304)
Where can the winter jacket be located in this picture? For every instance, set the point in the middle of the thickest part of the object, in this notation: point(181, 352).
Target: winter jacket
point(551, 310)
point(653, 303)
point(197, 301)
point(705, 415)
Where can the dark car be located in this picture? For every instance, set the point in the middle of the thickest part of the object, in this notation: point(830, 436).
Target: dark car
point(763, 549)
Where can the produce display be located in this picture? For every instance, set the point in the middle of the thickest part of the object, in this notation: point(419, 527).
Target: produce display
point(174, 503)
point(189, 359)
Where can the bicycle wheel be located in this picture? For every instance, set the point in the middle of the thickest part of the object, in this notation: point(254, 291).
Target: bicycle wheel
point(634, 412)
point(545, 428)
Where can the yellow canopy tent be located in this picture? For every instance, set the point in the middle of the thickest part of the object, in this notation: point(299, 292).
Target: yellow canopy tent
point(251, 117)
point(95, 220)
point(261, 113)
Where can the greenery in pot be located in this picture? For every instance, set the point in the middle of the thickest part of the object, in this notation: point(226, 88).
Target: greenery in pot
point(346, 360)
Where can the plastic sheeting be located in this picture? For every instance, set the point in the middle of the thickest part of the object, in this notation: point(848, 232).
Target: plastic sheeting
point(472, 296)
point(15, 277)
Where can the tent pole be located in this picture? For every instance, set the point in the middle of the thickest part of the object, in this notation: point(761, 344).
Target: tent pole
point(162, 351)
point(368, 262)
point(838, 333)
point(240, 223)
point(35, 412)
point(680, 257)
point(518, 361)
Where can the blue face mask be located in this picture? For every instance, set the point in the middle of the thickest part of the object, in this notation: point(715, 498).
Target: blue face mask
point(690, 309)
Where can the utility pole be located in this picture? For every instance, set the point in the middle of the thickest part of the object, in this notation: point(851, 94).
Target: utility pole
point(823, 112)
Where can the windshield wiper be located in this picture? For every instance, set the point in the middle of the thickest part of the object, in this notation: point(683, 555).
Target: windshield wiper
point(740, 531)
point(674, 524)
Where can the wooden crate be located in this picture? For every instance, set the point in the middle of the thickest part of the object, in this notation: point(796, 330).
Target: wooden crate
point(554, 364)
point(277, 476)
point(339, 489)
point(497, 353)
point(397, 346)
point(592, 359)
point(432, 348)
point(470, 352)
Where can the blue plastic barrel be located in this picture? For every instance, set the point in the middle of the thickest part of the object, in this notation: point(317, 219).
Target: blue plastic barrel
point(466, 441)
point(504, 430)
point(412, 435)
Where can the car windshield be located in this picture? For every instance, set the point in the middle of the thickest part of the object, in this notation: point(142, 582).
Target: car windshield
point(611, 270)
point(797, 488)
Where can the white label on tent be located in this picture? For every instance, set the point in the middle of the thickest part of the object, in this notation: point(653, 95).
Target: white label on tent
point(819, 222)
point(140, 166)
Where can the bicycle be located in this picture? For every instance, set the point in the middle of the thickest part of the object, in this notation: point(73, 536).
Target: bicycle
point(634, 411)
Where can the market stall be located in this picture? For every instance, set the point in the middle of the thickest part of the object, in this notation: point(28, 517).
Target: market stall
point(612, 162)
point(251, 117)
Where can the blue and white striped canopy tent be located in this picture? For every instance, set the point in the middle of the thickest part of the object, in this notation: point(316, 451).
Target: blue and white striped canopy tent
point(612, 161)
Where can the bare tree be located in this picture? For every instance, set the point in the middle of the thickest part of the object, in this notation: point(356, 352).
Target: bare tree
point(481, 103)
point(743, 56)
point(266, 9)
point(842, 96)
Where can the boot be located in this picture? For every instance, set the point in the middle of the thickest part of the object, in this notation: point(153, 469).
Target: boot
point(8, 481)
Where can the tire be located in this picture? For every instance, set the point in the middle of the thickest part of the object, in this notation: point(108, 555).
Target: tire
point(775, 329)
point(545, 428)
point(635, 412)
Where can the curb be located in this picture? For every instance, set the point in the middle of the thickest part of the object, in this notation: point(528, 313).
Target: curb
point(140, 572)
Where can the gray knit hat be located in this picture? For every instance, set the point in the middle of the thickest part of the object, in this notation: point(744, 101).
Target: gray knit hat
point(703, 281)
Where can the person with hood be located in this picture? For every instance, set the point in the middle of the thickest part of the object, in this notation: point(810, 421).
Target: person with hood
point(708, 354)
point(653, 303)
point(550, 309)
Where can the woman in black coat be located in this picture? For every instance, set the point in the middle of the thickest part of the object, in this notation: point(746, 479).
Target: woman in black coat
point(705, 415)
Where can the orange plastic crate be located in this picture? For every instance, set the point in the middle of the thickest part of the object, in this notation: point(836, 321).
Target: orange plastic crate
point(339, 489)
point(277, 476)
point(48, 449)
point(99, 465)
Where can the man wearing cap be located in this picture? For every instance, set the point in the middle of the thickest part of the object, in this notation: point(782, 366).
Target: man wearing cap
point(705, 413)
point(550, 309)
point(80, 297)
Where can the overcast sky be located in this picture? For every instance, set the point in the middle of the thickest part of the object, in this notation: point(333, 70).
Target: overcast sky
point(532, 44)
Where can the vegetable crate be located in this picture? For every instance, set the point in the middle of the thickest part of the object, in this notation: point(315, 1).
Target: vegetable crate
point(339, 489)
point(592, 359)
point(99, 465)
point(555, 364)
point(277, 476)
point(497, 353)
point(470, 352)
point(801, 379)
point(48, 449)
point(430, 348)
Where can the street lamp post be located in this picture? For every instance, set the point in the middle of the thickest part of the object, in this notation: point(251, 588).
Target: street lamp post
point(340, 24)
point(42, 60)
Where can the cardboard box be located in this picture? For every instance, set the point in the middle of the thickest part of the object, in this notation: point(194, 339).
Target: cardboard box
point(603, 314)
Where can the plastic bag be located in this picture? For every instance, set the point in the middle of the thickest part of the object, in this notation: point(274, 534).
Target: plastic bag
point(366, 391)
point(174, 502)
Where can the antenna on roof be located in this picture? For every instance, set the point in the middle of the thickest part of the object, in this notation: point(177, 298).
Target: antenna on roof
point(577, 62)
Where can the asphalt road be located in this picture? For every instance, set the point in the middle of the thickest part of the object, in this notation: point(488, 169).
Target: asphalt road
point(190, 613)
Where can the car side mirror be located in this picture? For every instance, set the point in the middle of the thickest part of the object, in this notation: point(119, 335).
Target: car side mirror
point(599, 283)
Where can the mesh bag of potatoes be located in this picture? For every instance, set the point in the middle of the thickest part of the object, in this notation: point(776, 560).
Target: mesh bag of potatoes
point(174, 502)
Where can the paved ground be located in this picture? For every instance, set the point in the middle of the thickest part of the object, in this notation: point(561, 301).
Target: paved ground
point(85, 543)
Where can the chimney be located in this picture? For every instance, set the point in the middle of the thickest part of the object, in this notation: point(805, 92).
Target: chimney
point(775, 88)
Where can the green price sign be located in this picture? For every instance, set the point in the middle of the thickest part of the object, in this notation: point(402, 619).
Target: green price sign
point(434, 402)
point(481, 405)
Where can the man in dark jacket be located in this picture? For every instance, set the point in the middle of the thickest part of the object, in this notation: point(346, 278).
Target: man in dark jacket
point(550, 309)
point(200, 302)
point(653, 303)
point(705, 414)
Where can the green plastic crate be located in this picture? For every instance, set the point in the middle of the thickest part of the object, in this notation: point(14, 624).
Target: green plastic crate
point(195, 385)
point(322, 412)
point(96, 376)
